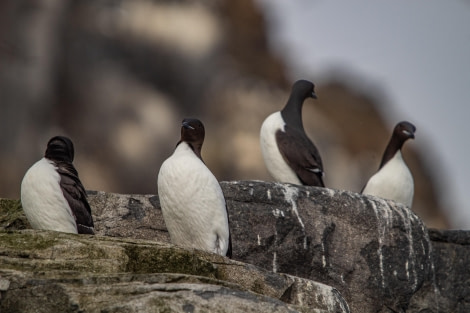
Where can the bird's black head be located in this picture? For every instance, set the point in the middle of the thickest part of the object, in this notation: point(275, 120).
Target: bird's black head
point(192, 132)
point(404, 131)
point(401, 133)
point(60, 148)
point(304, 89)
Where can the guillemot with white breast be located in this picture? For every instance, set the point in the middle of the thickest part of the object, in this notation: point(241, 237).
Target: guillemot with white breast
point(52, 195)
point(394, 180)
point(290, 156)
point(191, 198)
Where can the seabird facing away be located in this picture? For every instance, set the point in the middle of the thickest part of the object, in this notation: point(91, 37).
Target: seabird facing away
point(191, 199)
point(290, 156)
point(52, 195)
point(393, 180)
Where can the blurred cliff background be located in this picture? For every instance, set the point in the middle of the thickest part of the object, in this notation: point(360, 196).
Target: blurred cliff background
point(118, 77)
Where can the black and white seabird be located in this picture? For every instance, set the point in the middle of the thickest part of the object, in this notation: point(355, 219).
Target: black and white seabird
point(393, 180)
point(191, 199)
point(290, 156)
point(52, 195)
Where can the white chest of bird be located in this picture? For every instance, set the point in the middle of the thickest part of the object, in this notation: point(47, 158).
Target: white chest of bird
point(192, 202)
point(393, 181)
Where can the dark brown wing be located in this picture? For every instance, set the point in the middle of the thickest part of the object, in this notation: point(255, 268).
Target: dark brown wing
point(229, 250)
point(75, 194)
point(301, 155)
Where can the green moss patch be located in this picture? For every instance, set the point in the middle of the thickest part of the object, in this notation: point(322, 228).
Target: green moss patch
point(11, 215)
point(25, 241)
point(148, 259)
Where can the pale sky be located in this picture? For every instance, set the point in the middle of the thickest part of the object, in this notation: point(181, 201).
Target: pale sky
point(417, 51)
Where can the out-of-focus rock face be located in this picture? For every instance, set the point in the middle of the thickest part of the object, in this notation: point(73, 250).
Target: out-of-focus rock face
point(118, 77)
point(376, 253)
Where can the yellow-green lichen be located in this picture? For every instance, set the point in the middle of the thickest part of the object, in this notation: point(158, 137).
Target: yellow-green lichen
point(11, 215)
point(148, 259)
point(25, 241)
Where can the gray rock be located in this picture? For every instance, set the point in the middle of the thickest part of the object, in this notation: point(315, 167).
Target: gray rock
point(377, 254)
point(128, 216)
point(449, 290)
point(132, 293)
point(44, 271)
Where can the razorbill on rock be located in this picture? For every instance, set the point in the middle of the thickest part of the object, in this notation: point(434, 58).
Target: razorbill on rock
point(52, 195)
point(191, 199)
point(393, 180)
point(290, 156)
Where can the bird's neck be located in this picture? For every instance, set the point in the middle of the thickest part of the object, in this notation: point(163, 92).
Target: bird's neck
point(196, 147)
point(394, 145)
point(292, 112)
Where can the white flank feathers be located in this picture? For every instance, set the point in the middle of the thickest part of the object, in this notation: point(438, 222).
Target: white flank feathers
point(43, 201)
point(275, 163)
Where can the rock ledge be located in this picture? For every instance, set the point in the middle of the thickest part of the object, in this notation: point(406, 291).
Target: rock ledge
point(338, 251)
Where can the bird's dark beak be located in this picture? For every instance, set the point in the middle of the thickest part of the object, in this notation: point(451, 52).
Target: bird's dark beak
point(186, 125)
point(314, 95)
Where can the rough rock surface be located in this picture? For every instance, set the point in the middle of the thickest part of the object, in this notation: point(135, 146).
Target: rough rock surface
point(449, 290)
point(58, 272)
point(376, 253)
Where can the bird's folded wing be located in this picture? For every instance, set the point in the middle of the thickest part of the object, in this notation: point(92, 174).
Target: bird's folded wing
point(229, 250)
point(75, 194)
point(301, 155)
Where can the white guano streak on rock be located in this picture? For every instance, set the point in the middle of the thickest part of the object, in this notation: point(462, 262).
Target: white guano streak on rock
point(259, 240)
point(269, 194)
point(290, 195)
point(344, 306)
point(381, 232)
point(323, 258)
point(325, 295)
point(274, 262)
point(277, 213)
point(437, 293)
point(407, 268)
point(406, 217)
point(329, 192)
